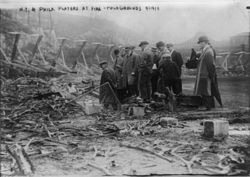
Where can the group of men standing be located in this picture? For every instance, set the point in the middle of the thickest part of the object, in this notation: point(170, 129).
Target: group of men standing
point(153, 69)
point(142, 73)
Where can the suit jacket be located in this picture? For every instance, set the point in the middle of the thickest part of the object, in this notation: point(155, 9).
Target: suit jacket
point(177, 58)
point(106, 94)
point(145, 63)
point(129, 66)
point(169, 70)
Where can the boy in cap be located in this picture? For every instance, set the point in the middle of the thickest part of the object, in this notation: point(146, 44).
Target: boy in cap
point(162, 49)
point(107, 95)
point(170, 74)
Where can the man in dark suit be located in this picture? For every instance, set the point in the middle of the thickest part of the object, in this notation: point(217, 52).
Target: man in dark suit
point(145, 65)
point(177, 58)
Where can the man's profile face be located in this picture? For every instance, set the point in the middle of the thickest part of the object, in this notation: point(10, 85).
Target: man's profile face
point(170, 48)
point(103, 66)
point(127, 51)
point(144, 46)
point(202, 45)
point(161, 48)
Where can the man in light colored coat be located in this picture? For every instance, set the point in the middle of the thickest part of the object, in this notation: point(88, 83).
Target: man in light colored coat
point(206, 73)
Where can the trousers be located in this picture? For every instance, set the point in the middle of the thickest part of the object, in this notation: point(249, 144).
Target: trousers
point(145, 87)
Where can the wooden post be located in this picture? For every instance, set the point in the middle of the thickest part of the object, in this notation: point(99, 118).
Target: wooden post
point(36, 48)
point(51, 22)
point(4, 55)
point(60, 49)
point(28, 18)
point(111, 47)
point(95, 54)
point(225, 62)
point(39, 22)
point(81, 54)
point(14, 50)
point(61, 54)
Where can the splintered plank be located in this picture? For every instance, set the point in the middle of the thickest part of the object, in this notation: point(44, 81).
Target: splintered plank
point(146, 151)
point(22, 159)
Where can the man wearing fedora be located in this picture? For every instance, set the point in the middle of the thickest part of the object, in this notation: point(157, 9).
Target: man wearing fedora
point(206, 73)
point(108, 85)
point(145, 65)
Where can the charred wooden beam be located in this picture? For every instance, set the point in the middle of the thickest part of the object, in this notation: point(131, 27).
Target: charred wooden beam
point(22, 159)
point(14, 50)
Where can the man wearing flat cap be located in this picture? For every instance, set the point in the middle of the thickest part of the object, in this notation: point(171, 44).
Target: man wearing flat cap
point(177, 58)
point(206, 73)
point(162, 50)
point(145, 65)
point(108, 87)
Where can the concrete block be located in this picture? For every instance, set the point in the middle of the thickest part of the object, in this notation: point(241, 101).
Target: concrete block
point(213, 128)
point(136, 111)
point(92, 107)
point(168, 121)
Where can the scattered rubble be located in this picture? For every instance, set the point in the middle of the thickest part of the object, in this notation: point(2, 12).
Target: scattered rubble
point(41, 120)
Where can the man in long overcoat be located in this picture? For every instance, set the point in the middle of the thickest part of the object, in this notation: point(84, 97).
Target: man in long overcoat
point(206, 73)
point(108, 85)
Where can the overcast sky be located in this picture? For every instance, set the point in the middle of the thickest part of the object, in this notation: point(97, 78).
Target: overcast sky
point(175, 21)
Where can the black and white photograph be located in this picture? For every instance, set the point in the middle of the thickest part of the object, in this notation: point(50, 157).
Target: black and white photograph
point(124, 88)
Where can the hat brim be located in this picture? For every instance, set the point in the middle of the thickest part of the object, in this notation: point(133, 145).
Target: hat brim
point(103, 63)
point(143, 44)
point(202, 41)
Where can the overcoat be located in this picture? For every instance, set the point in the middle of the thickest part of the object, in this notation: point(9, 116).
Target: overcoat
point(107, 92)
point(205, 72)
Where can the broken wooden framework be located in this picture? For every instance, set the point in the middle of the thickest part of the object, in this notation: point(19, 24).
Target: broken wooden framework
point(226, 57)
point(30, 63)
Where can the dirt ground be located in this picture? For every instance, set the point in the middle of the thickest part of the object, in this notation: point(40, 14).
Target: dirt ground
point(82, 161)
point(149, 150)
point(234, 91)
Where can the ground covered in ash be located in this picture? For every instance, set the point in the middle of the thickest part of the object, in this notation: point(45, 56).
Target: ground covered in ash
point(45, 132)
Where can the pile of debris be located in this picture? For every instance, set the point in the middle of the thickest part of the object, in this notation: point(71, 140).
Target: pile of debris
point(29, 103)
point(35, 118)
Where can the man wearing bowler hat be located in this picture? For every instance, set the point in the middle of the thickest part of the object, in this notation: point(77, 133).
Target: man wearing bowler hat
point(108, 85)
point(206, 73)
